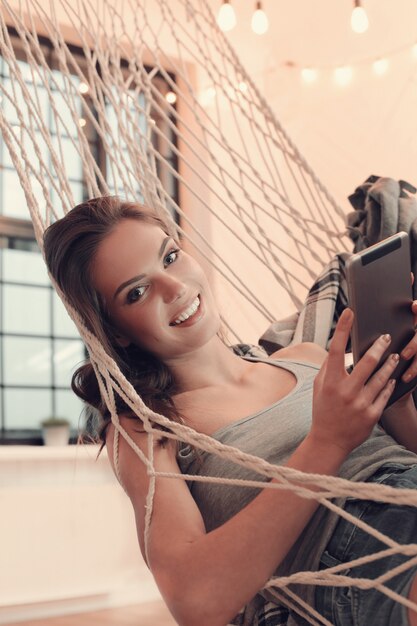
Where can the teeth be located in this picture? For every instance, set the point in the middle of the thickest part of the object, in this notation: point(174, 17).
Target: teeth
point(189, 312)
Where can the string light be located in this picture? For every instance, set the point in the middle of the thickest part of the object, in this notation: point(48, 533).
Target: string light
point(359, 20)
point(259, 22)
point(171, 97)
point(83, 87)
point(82, 122)
point(226, 17)
point(380, 66)
point(309, 75)
point(343, 75)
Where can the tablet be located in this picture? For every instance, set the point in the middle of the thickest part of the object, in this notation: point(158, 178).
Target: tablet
point(380, 295)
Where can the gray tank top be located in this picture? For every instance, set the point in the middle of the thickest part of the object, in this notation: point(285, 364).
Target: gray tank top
point(273, 434)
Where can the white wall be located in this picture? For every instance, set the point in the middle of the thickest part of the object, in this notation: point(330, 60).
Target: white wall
point(67, 535)
point(345, 133)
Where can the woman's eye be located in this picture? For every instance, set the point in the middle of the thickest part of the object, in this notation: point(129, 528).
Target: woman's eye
point(135, 294)
point(171, 257)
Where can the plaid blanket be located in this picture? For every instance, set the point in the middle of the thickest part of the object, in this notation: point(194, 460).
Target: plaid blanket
point(318, 317)
point(261, 613)
point(316, 320)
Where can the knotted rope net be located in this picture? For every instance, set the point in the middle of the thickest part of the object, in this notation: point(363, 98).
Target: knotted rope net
point(186, 131)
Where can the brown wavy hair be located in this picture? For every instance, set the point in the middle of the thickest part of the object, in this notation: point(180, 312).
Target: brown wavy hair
point(70, 246)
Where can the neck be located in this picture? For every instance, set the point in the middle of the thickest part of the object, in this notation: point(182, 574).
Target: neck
point(212, 365)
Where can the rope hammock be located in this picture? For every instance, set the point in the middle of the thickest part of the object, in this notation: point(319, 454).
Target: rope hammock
point(243, 189)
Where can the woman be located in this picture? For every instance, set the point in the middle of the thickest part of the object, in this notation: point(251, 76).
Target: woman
point(150, 305)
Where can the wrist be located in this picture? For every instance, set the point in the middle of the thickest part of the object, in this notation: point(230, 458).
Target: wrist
point(323, 455)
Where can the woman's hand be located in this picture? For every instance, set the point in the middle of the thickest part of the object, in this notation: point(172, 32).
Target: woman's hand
point(346, 407)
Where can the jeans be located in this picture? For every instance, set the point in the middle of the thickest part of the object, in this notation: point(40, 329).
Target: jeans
point(351, 606)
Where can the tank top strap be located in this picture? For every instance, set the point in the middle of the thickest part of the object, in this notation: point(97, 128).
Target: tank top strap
point(302, 370)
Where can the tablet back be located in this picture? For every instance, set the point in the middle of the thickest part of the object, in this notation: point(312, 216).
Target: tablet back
point(380, 295)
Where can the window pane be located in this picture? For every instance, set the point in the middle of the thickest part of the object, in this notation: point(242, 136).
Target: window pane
point(71, 407)
point(131, 122)
point(68, 355)
point(24, 267)
point(63, 122)
point(27, 361)
point(15, 102)
point(77, 190)
point(25, 408)
point(29, 144)
point(14, 201)
point(63, 324)
point(70, 158)
point(18, 302)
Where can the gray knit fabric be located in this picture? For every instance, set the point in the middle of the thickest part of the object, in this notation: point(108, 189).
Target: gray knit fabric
point(273, 434)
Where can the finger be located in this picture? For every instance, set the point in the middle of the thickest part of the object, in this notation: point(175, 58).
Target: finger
point(411, 371)
point(381, 400)
point(410, 349)
point(414, 311)
point(380, 378)
point(369, 361)
point(336, 356)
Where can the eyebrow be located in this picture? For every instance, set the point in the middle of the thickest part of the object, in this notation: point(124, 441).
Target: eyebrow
point(135, 279)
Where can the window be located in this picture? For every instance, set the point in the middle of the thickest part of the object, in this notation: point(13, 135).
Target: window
point(39, 345)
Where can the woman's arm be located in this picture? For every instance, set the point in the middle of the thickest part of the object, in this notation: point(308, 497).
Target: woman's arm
point(205, 578)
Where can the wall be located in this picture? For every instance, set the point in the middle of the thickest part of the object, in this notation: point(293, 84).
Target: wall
point(345, 133)
point(67, 535)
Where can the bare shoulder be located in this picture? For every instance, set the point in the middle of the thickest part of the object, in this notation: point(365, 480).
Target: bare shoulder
point(307, 351)
point(133, 457)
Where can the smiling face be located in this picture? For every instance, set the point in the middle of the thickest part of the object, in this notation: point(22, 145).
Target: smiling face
point(156, 295)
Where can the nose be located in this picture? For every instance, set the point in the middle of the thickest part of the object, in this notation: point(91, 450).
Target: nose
point(172, 288)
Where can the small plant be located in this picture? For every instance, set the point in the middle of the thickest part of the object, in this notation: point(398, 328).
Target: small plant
point(55, 431)
point(54, 421)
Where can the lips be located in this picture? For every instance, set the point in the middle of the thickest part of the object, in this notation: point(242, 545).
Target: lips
point(186, 312)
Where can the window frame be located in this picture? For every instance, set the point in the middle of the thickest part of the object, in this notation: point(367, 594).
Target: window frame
point(13, 227)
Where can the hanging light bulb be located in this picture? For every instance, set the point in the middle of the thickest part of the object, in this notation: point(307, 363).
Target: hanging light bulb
point(171, 97)
point(380, 66)
point(309, 74)
point(359, 20)
point(226, 17)
point(259, 22)
point(343, 75)
point(83, 87)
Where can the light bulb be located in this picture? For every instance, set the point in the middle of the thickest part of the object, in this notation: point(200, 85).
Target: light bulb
point(226, 17)
point(380, 66)
point(343, 75)
point(259, 22)
point(207, 96)
point(171, 97)
point(309, 75)
point(83, 87)
point(359, 20)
